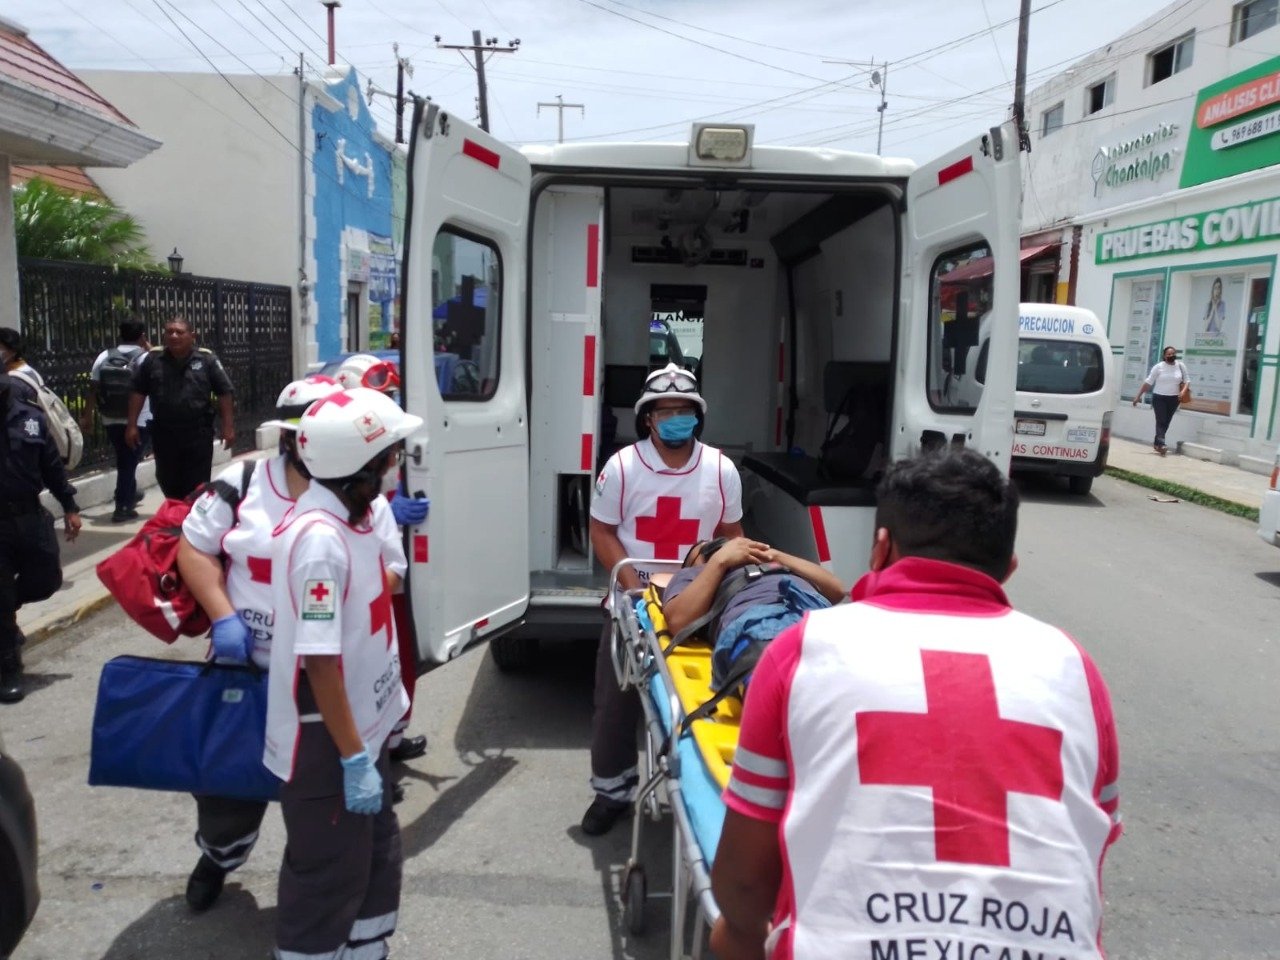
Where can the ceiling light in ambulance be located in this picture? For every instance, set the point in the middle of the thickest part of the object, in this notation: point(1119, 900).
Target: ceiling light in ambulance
point(719, 144)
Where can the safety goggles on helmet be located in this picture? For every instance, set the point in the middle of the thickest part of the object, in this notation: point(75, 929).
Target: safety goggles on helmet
point(366, 370)
point(341, 434)
point(297, 396)
point(671, 383)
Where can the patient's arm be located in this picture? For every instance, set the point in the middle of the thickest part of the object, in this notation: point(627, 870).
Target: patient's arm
point(696, 599)
point(826, 582)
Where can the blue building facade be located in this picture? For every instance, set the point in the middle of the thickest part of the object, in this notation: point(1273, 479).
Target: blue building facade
point(354, 266)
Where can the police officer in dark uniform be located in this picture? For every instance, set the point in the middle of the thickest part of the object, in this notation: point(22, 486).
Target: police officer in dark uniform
point(181, 379)
point(30, 568)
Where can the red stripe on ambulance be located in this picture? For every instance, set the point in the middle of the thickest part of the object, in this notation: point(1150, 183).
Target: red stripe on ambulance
point(820, 534)
point(476, 152)
point(589, 365)
point(593, 255)
point(955, 171)
point(587, 441)
point(420, 548)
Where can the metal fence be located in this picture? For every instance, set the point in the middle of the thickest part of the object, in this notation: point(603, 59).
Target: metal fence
point(70, 313)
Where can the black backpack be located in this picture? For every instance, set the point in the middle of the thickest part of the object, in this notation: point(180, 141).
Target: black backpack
point(115, 384)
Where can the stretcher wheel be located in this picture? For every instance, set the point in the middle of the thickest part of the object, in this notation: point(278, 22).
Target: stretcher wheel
point(514, 654)
point(635, 891)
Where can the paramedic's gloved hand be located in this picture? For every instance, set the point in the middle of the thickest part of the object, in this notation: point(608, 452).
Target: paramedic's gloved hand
point(232, 639)
point(361, 783)
point(409, 511)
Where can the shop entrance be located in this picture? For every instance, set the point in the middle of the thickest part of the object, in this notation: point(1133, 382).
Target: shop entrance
point(1255, 332)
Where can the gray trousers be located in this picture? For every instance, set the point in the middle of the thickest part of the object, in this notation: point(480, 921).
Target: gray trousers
point(340, 881)
point(227, 829)
point(617, 714)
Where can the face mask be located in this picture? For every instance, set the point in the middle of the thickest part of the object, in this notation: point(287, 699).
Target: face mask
point(391, 479)
point(678, 430)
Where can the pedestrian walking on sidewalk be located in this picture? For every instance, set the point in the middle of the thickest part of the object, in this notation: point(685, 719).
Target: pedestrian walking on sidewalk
point(30, 568)
point(181, 379)
point(110, 386)
point(1166, 381)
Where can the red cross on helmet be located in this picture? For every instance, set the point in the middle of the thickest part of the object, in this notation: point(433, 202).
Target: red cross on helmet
point(669, 383)
point(297, 396)
point(347, 430)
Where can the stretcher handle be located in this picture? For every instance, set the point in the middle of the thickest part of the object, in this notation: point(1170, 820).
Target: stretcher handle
point(628, 669)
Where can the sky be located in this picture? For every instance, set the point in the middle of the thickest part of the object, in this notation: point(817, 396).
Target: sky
point(800, 70)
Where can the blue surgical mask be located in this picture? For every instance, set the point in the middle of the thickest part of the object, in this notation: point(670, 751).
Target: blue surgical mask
point(678, 429)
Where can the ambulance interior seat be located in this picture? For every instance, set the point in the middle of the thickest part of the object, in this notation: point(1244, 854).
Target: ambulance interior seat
point(857, 384)
point(622, 386)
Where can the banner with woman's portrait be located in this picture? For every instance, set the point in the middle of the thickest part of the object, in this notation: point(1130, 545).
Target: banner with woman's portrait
point(1213, 339)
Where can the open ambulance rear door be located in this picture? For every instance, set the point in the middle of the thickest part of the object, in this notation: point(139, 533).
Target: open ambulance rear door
point(960, 271)
point(464, 373)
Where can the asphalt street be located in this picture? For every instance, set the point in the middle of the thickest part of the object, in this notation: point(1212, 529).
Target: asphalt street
point(1177, 603)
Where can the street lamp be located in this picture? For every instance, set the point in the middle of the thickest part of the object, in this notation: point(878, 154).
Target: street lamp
point(175, 261)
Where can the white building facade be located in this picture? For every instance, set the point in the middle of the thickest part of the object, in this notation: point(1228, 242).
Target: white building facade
point(1155, 165)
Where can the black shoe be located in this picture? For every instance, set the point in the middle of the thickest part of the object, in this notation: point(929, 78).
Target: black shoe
point(602, 815)
point(409, 748)
point(12, 683)
point(124, 515)
point(204, 886)
point(138, 497)
point(397, 793)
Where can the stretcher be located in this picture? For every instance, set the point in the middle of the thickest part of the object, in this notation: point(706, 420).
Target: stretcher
point(688, 761)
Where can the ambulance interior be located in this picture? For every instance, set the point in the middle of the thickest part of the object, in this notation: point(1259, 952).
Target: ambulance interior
point(783, 301)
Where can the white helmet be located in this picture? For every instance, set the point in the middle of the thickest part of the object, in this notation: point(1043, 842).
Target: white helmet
point(339, 435)
point(366, 370)
point(671, 382)
point(297, 396)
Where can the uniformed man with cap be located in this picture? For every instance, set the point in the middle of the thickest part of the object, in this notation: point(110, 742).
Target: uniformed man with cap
point(30, 568)
point(654, 500)
point(180, 379)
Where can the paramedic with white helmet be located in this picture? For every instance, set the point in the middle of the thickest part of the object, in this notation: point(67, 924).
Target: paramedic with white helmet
point(654, 500)
point(334, 687)
point(224, 556)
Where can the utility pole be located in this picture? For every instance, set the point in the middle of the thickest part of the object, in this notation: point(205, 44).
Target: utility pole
point(1020, 77)
point(331, 5)
point(560, 107)
point(479, 49)
point(880, 80)
point(403, 66)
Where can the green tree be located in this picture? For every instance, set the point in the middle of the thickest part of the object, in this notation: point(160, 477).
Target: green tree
point(55, 224)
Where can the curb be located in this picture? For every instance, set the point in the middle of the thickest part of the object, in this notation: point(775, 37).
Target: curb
point(56, 624)
point(1182, 492)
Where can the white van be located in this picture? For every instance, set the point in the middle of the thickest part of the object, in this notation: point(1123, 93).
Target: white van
point(1065, 391)
point(817, 275)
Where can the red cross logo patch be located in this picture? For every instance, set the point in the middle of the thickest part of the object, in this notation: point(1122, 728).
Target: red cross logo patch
point(667, 530)
point(319, 600)
point(962, 749)
point(370, 427)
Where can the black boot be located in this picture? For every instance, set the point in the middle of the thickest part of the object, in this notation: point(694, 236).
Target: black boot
point(204, 886)
point(12, 683)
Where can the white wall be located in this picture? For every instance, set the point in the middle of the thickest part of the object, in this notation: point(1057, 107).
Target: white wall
point(8, 252)
point(224, 186)
point(1057, 175)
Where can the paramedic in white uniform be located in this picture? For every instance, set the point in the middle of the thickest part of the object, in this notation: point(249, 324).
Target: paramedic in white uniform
point(225, 558)
point(924, 771)
point(654, 500)
point(334, 686)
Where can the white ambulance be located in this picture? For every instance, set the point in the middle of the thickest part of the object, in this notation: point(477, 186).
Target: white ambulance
point(531, 279)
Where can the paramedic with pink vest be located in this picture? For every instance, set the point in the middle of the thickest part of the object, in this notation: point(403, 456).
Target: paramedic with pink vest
point(924, 772)
point(654, 500)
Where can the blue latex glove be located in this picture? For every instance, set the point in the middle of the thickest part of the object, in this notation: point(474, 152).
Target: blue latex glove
point(361, 783)
point(409, 511)
point(232, 639)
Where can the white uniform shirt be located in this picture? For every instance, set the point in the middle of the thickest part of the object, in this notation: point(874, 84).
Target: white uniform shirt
point(1167, 380)
point(211, 528)
point(661, 512)
point(130, 350)
point(332, 600)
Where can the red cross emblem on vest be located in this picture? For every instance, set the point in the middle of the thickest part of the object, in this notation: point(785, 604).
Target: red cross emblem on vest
point(260, 570)
point(380, 614)
point(969, 755)
point(667, 530)
point(320, 591)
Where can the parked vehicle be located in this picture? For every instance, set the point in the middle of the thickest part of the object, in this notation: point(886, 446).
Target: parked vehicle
point(1269, 513)
point(19, 891)
point(821, 275)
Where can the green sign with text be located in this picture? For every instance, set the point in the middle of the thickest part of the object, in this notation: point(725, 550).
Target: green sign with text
point(1224, 227)
point(1236, 126)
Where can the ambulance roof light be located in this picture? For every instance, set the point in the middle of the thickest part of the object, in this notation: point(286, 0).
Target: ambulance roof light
point(721, 144)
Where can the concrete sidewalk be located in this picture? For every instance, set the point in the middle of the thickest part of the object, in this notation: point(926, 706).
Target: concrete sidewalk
point(82, 593)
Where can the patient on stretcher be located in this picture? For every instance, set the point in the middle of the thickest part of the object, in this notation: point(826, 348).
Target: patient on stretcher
point(739, 594)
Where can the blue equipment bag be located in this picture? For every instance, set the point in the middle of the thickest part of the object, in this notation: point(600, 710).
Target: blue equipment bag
point(173, 725)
